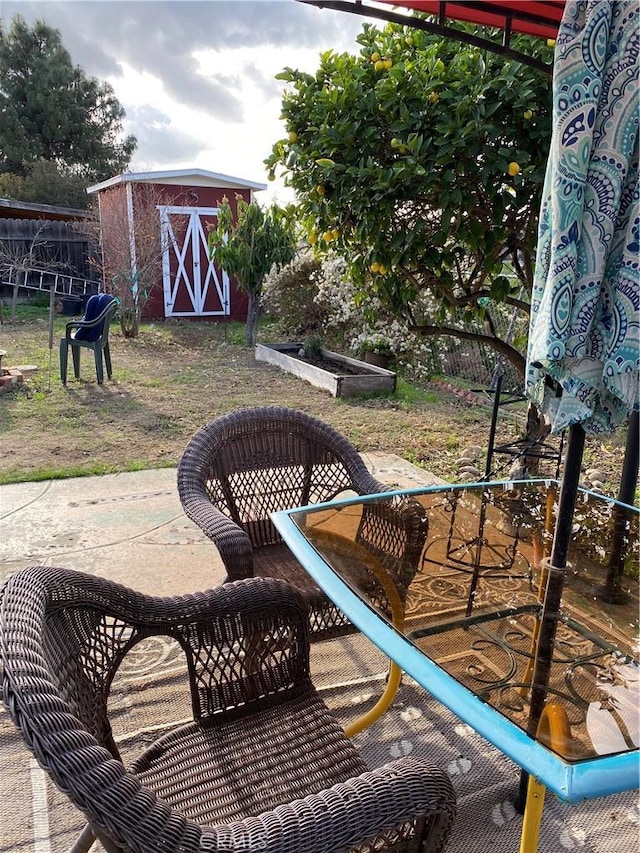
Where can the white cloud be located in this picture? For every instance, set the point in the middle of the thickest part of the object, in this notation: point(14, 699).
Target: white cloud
point(197, 79)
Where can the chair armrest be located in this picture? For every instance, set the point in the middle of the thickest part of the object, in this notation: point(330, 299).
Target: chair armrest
point(364, 483)
point(232, 542)
point(350, 812)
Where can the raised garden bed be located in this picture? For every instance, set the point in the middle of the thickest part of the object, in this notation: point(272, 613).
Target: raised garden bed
point(340, 375)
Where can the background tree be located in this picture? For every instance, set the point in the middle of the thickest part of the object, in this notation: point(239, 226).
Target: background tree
point(51, 111)
point(248, 246)
point(44, 183)
point(421, 161)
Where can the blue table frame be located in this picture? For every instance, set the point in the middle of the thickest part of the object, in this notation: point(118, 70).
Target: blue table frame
point(571, 781)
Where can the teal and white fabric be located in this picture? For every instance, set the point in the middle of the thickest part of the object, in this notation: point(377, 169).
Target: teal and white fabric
point(584, 331)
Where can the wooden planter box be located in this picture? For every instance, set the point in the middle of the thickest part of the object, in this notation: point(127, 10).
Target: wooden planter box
point(372, 379)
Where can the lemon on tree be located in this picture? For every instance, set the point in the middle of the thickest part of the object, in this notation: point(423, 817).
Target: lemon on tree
point(513, 169)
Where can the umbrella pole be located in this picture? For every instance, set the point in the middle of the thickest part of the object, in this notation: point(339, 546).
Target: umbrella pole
point(629, 479)
point(568, 496)
point(555, 581)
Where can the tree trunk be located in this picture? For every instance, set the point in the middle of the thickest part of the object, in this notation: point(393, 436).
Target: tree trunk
point(21, 277)
point(253, 315)
point(130, 322)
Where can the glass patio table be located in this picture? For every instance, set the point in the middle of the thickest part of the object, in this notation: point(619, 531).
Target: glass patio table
point(555, 690)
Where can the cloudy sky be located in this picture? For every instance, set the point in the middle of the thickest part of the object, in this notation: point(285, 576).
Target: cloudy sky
point(196, 78)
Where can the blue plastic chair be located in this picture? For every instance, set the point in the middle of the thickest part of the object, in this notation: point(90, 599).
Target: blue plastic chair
point(92, 332)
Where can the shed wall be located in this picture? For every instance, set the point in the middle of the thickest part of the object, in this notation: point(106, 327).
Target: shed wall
point(146, 199)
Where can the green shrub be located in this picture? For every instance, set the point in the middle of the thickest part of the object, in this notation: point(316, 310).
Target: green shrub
point(312, 345)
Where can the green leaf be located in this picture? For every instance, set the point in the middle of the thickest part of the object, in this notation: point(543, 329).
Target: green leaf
point(500, 287)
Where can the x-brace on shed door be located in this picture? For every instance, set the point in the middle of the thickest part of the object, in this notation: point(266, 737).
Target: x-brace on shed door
point(193, 286)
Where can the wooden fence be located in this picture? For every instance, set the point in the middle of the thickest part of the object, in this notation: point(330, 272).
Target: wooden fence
point(47, 244)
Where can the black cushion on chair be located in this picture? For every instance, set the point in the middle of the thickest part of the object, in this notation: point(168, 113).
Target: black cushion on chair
point(95, 306)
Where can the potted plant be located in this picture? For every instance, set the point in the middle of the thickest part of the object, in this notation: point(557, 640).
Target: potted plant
point(376, 349)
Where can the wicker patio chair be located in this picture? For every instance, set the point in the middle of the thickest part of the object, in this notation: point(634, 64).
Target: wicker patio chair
point(263, 765)
point(241, 467)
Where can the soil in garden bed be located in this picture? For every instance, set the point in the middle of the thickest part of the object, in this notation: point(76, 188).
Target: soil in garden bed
point(339, 368)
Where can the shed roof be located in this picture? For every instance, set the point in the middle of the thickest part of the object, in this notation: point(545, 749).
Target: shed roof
point(189, 177)
point(12, 209)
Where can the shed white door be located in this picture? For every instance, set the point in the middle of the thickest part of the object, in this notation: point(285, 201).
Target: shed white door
point(193, 286)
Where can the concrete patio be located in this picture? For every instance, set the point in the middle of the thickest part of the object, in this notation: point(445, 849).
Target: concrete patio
point(129, 527)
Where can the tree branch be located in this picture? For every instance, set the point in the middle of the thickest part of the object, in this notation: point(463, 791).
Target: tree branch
point(512, 355)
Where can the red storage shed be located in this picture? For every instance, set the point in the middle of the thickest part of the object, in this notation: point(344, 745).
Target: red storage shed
point(157, 221)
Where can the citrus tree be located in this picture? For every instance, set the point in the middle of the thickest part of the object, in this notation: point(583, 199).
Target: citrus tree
point(248, 245)
point(421, 162)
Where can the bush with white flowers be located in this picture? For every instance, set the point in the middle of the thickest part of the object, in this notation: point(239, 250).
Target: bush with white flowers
point(289, 298)
point(312, 296)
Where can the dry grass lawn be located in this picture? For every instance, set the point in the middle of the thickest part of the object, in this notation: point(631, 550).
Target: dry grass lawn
point(178, 375)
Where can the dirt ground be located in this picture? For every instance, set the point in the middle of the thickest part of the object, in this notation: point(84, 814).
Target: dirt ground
point(176, 376)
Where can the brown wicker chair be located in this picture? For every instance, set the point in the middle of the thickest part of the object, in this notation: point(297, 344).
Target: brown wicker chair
point(262, 766)
point(241, 467)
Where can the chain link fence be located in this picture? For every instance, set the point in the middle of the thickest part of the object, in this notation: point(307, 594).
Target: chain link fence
point(477, 363)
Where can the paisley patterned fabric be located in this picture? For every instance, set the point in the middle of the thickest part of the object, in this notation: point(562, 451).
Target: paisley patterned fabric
point(584, 319)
